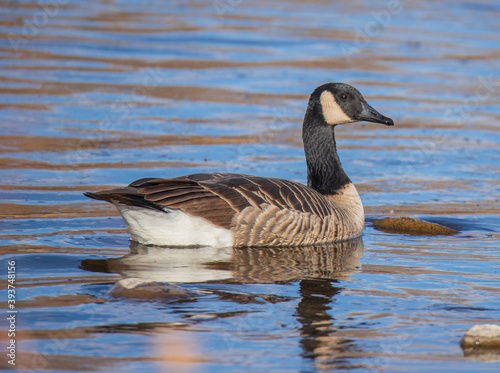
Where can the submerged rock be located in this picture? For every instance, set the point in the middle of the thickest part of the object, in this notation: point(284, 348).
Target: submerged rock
point(411, 226)
point(141, 289)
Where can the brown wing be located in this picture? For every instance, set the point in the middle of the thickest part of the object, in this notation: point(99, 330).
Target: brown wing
point(218, 197)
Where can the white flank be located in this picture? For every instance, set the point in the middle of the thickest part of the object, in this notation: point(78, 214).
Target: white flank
point(172, 228)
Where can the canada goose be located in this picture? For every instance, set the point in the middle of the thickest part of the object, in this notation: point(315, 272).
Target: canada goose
point(218, 209)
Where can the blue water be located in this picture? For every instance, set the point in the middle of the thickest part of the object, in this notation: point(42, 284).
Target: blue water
point(100, 93)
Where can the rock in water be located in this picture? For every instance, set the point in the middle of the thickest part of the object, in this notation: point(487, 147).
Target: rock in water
point(482, 343)
point(144, 290)
point(411, 226)
point(482, 336)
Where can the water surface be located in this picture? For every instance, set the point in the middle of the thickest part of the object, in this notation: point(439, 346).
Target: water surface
point(100, 93)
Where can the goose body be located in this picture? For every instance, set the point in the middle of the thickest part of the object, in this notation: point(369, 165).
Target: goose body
point(219, 209)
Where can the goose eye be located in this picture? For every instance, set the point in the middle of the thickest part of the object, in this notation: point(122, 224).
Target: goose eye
point(343, 96)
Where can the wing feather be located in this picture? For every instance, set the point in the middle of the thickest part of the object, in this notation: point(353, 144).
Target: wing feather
point(218, 197)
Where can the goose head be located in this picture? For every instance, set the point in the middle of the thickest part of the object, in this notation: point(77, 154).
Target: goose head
point(340, 103)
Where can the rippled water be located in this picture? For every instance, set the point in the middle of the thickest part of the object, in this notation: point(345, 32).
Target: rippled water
point(100, 93)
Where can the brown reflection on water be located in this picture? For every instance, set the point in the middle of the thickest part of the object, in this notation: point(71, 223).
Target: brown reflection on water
point(448, 209)
point(135, 64)
point(12, 163)
point(67, 210)
point(118, 140)
point(66, 300)
point(334, 261)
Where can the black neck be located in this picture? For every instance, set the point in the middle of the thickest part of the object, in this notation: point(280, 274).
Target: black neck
point(324, 170)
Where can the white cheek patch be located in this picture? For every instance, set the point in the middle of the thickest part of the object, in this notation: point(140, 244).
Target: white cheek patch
point(332, 112)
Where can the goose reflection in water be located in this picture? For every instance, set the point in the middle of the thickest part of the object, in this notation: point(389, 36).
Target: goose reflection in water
point(317, 269)
point(234, 265)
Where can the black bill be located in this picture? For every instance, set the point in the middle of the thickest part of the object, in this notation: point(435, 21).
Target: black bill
point(369, 114)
